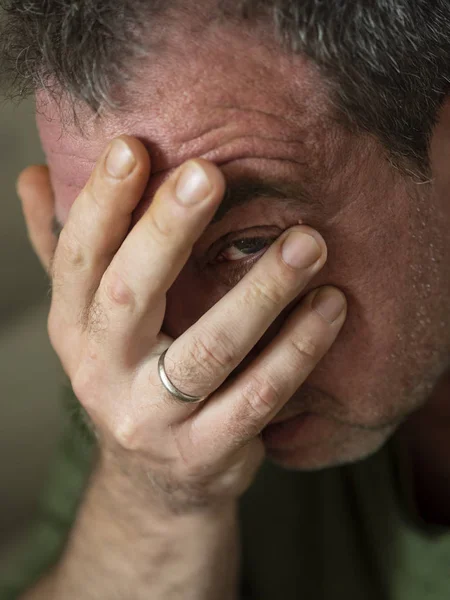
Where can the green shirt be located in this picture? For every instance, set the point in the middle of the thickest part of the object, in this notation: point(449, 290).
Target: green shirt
point(346, 533)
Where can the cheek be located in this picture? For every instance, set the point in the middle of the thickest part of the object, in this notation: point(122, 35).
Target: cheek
point(190, 297)
point(358, 264)
point(368, 268)
point(371, 368)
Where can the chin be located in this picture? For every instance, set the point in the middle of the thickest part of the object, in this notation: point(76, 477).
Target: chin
point(311, 442)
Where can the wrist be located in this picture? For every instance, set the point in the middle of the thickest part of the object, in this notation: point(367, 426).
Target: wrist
point(121, 539)
point(128, 486)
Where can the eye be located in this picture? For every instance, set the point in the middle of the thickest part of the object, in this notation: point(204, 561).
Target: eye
point(229, 258)
point(242, 248)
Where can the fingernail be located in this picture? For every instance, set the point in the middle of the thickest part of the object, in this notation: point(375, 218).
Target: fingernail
point(193, 185)
point(329, 303)
point(120, 160)
point(300, 250)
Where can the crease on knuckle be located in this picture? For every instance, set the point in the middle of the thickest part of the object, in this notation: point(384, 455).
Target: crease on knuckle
point(72, 251)
point(268, 292)
point(306, 349)
point(261, 396)
point(161, 228)
point(211, 355)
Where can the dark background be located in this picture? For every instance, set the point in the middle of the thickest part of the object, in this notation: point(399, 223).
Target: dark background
point(30, 375)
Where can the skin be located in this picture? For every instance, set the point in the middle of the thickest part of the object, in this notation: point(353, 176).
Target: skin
point(244, 105)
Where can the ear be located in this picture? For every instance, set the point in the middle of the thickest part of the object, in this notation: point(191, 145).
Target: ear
point(36, 195)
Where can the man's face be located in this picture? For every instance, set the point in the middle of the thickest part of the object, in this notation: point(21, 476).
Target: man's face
point(226, 95)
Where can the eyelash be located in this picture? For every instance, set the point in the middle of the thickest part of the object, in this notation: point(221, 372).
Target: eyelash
point(255, 241)
point(219, 257)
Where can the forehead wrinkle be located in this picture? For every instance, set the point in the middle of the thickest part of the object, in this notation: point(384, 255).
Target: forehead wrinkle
point(220, 125)
point(259, 132)
point(232, 146)
point(168, 148)
point(274, 136)
point(246, 146)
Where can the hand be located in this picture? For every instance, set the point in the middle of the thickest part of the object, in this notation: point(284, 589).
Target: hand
point(108, 304)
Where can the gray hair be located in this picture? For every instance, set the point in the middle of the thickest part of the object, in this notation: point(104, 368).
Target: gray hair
point(387, 61)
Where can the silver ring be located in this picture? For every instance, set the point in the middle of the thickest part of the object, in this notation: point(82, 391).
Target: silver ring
point(171, 388)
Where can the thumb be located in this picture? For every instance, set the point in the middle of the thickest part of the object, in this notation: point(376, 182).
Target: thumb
point(36, 195)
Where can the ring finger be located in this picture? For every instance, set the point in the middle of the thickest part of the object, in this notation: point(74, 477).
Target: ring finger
point(239, 411)
point(200, 360)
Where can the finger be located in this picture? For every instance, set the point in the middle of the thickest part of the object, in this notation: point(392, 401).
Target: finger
point(38, 206)
point(200, 360)
point(243, 407)
point(97, 223)
point(150, 259)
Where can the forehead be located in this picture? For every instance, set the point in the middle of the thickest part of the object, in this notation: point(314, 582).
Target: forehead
point(223, 93)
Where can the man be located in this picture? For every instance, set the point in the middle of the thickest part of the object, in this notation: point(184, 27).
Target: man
point(249, 296)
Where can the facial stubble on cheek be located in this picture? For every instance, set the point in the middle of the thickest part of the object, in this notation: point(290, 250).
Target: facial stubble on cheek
point(424, 344)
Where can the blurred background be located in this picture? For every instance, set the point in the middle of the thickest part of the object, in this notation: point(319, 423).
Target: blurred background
point(30, 419)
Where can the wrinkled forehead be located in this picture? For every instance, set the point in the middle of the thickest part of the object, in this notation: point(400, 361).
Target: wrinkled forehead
point(222, 94)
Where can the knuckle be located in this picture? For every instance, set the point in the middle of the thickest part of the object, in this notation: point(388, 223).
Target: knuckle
point(89, 384)
point(268, 292)
point(85, 387)
point(260, 396)
point(160, 228)
point(63, 339)
point(211, 354)
point(117, 291)
point(125, 433)
point(305, 349)
point(196, 471)
point(71, 250)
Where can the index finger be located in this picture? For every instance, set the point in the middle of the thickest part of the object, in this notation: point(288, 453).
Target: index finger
point(98, 222)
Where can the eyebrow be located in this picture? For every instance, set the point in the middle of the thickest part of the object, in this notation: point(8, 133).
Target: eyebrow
point(241, 191)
